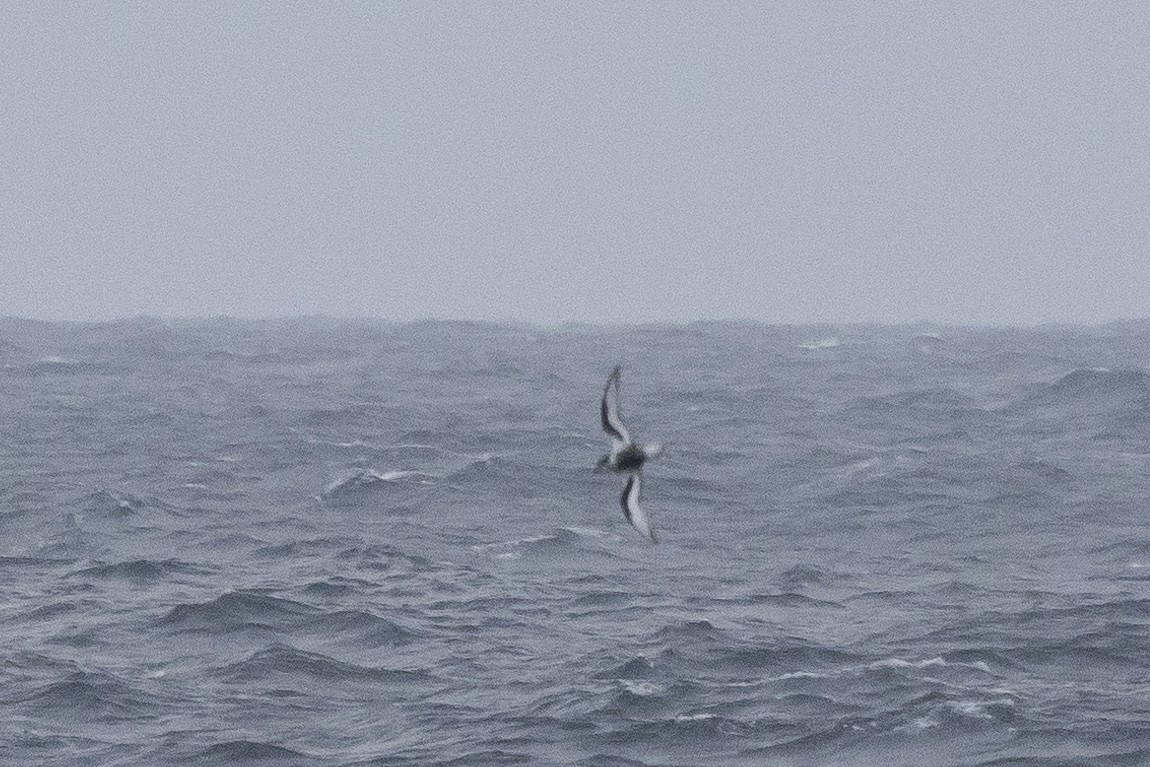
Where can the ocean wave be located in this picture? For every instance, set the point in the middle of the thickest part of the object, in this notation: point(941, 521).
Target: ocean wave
point(830, 342)
point(366, 485)
point(361, 629)
point(302, 548)
point(1052, 757)
point(1121, 385)
point(643, 699)
point(42, 613)
point(606, 598)
point(488, 471)
point(7, 562)
point(381, 557)
point(56, 366)
point(144, 570)
point(30, 666)
point(933, 402)
point(640, 667)
point(249, 751)
point(805, 575)
point(573, 541)
point(691, 632)
point(86, 696)
point(791, 599)
point(1120, 398)
point(336, 587)
point(286, 663)
point(114, 504)
point(605, 760)
point(239, 610)
point(489, 757)
point(785, 655)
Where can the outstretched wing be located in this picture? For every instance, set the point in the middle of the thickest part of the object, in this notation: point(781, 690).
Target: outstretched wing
point(630, 503)
point(609, 410)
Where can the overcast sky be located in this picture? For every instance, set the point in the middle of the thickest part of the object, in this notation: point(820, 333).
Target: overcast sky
point(965, 162)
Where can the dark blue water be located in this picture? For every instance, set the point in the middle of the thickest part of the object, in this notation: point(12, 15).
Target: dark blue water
point(351, 543)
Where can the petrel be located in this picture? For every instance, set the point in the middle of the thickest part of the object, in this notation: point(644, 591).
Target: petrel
point(625, 457)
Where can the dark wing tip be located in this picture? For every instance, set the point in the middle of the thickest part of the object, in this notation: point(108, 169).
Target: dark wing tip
point(605, 418)
point(604, 408)
point(612, 379)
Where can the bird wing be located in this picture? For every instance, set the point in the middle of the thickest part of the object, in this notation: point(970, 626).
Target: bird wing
point(609, 411)
point(631, 510)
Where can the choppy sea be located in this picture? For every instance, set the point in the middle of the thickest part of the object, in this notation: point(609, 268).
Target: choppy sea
point(335, 543)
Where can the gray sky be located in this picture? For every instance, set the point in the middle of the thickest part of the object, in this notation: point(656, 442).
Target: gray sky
point(780, 161)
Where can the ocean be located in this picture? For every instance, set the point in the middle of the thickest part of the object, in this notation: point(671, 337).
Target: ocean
point(349, 542)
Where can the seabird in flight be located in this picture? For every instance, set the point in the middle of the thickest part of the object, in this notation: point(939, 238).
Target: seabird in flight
point(626, 457)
